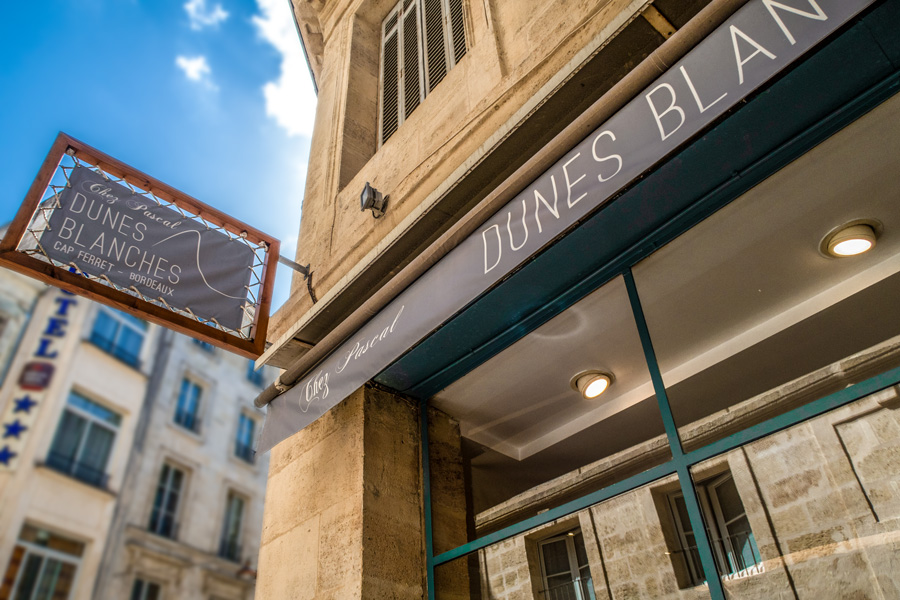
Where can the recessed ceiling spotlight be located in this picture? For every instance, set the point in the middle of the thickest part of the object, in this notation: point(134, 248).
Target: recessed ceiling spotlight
point(851, 238)
point(591, 384)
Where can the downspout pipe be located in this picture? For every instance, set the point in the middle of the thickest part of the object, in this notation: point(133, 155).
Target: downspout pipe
point(657, 63)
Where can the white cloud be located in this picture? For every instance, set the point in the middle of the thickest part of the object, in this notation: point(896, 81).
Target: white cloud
point(196, 69)
point(201, 16)
point(290, 100)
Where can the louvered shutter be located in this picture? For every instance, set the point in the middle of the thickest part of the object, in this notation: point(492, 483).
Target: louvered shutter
point(412, 71)
point(421, 41)
point(390, 91)
point(457, 29)
point(435, 43)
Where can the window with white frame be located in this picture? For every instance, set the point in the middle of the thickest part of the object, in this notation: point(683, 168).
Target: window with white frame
point(230, 544)
point(243, 443)
point(42, 565)
point(187, 409)
point(734, 546)
point(119, 334)
point(166, 501)
point(84, 440)
point(421, 40)
point(564, 568)
point(145, 590)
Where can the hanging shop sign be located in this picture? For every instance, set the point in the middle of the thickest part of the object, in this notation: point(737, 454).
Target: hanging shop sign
point(748, 49)
point(99, 228)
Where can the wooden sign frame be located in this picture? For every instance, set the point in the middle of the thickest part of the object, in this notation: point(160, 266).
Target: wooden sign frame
point(13, 259)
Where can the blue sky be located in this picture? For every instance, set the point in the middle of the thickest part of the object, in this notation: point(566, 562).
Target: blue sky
point(212, 97)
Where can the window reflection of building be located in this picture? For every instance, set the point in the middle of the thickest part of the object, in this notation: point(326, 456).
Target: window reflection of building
point(564, 565)
point(727, 526)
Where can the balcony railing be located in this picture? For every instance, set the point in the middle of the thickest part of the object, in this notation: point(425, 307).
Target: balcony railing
point(580, 589)
point(69, 466)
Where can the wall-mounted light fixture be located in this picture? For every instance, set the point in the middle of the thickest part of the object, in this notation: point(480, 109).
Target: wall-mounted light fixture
point(371, 199)
point(851, 238)
point(591, 384)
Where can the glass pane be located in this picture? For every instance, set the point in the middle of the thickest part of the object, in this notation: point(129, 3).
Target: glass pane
point(94, 409)
point(137, 590)
point(129, 344)
point(130, 320)
point(49, 576)
point(556, 559)
point(526, 436)
point(152, 592)
point(95, 452)
point(65, 444)
point(580, 552)
point(29, 577)
point(729, 500)
point(822, 506)
point(750, 317)
point(104, 333)
point(628, 543)
point(47, 539)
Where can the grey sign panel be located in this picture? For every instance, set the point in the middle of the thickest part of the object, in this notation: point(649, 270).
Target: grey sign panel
point(105, 229)
point(748, 49)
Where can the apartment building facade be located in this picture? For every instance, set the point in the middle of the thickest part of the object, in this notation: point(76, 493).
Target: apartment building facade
point(86, 389)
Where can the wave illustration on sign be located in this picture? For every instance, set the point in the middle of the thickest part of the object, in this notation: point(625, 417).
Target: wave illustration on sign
point(199, 268)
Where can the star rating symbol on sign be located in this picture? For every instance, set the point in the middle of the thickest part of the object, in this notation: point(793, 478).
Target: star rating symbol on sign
point(6, 455)
point(13, 429)
point(24, 405)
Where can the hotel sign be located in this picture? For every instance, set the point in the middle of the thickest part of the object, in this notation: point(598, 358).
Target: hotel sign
point(752, 46)
point(97, 227)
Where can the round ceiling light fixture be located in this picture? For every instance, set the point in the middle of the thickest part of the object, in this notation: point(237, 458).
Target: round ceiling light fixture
point(591, 384)
point(851, 238)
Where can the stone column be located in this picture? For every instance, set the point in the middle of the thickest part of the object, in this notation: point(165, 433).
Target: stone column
point(343, 514)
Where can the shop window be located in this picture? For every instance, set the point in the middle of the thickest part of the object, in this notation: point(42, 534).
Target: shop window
point(734, 546)
point(243, 443)
point(564, 568)
point(166, 501)
point(119, 334)
point(254, 375)
point(42, 565)
point(421, 41)
point(230, 544)
point(145, 590)
point(83, 441)
point(188, 407)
